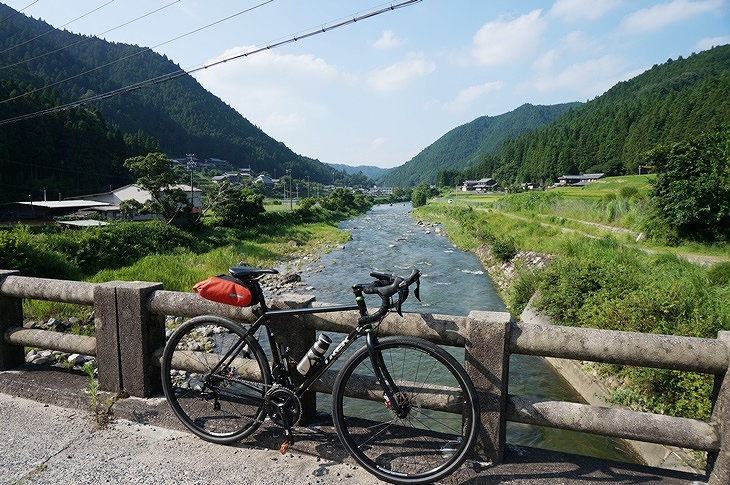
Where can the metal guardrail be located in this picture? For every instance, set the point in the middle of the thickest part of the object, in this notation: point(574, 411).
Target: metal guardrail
point(130, 334)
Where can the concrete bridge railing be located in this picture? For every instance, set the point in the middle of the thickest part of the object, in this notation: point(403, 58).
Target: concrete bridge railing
point(129, 319)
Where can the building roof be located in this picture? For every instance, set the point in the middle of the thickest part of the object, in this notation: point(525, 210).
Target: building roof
point(83, 223)
point(65, 204)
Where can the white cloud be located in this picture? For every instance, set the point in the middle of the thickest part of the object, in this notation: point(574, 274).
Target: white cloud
point(469, 95)
point(576, 10)
point(276, 91)
point(710, 42)
point(377, 143)
point(664, 14)
point(387, 40)
point(397, 76)
point(280, 119)
point(506, 40)
point(589, 78)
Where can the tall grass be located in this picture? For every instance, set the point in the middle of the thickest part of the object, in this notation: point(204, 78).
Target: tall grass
point(605, 283)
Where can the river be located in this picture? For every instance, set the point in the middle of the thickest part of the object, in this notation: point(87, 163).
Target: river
point(388, 239)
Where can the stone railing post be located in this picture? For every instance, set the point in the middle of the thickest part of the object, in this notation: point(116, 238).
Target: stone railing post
point(127, 334)
point(718, 464)
point(292, 335)
point(11, 315)
point(487, 363)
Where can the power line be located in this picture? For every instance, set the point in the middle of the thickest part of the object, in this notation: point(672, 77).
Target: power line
point(55, 29)
point(87, 39)
point(17, 12)
point(142, 51)
point(176, 74)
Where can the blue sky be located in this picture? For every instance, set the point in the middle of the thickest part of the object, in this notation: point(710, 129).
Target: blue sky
point(380, 90)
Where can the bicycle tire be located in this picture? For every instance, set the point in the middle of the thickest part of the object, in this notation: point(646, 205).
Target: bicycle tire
point(423, 446)
point(223, 407)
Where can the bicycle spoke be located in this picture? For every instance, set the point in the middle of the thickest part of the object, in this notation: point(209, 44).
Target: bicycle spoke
point(426, 433)
point(214, 377)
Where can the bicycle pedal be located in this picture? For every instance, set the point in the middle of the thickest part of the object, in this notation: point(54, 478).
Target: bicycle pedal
point(284, 447)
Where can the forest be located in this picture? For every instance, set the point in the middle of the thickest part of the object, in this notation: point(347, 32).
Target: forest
point(40, 71)
point(466, 145)
point(611, 134)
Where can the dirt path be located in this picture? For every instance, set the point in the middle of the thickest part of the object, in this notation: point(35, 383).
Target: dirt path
point(702, 259)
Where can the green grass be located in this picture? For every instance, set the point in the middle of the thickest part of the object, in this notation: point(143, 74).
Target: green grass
point(601, 279)
point(608, 186)
point(181, 270)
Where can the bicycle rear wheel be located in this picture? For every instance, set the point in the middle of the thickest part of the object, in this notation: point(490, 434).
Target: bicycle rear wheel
point(438, 423)
point(215, 380)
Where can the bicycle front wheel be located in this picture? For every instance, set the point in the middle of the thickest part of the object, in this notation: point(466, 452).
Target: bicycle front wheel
point(215, 379)
point(428, 434)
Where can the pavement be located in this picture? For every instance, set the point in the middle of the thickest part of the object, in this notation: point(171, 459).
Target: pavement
point(50, 435)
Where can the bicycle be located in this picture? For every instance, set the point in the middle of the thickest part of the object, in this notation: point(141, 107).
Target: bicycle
point(403, 407)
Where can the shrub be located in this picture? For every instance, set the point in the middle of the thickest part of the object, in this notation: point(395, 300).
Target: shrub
point(20, 250)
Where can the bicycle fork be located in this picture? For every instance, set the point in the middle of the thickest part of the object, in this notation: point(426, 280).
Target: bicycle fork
point(392, 397)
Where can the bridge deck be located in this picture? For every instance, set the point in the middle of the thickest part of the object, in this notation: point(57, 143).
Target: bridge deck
point(522, 465)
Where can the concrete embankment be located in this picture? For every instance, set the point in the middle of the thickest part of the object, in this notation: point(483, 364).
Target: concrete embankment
point(595, 393)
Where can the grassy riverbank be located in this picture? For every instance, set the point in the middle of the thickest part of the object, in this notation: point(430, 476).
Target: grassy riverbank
point(153, 251)
point(600, 278)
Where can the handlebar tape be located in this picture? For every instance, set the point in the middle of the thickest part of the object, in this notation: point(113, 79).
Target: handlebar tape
point(386, 286)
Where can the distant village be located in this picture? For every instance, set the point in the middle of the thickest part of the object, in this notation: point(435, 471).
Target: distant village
point(105, 206)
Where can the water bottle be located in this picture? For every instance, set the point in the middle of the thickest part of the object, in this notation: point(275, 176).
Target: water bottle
point(314, 354)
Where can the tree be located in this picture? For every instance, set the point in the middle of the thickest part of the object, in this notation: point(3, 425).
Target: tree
point(340, 199)
point(420, 195)
point(237, 206)
point(691, 193)
point(156, 174)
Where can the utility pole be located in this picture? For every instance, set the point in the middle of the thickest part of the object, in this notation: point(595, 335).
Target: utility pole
point(191, 167)
point(291, 208)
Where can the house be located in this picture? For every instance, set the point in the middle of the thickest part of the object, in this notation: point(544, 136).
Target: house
point(264, 180)
point(579, 180)
point(108, 202)
point(481, 185)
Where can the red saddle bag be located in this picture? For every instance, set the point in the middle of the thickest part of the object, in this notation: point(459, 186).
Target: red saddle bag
point(226, 289)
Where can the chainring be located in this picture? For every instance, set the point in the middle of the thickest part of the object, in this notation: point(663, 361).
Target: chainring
point(281, 402)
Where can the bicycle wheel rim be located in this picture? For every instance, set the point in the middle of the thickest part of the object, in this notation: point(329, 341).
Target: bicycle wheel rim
point(423, 445)
point(229, 406)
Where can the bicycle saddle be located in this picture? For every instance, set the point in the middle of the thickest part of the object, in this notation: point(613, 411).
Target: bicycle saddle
point(247, 274)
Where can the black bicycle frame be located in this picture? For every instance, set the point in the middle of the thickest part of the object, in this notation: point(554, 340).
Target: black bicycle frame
point(280, 368)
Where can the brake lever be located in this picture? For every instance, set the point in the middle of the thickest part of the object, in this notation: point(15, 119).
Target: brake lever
point(402, 296)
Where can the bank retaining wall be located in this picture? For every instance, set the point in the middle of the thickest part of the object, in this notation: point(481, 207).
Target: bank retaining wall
point(129, 319)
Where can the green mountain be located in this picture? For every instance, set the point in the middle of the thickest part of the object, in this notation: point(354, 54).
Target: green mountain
point(468, 144)
point(41, 68)
point(369, 171)
point(668, 103)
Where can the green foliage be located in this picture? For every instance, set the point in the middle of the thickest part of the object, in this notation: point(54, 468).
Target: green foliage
point(119, 244)
point(156, 174)
point(666, 392)
point(420, 195)
point(20, 250)
point(610, 133)
point(602, 284)
point(168, 117)
point(238, 206)
point(692, 190)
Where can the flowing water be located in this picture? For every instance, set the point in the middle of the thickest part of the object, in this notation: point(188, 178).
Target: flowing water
point(388, 239)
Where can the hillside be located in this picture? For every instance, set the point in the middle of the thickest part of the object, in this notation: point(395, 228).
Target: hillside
point(367, 170)
point(667, 103)
point(468, 144)
point(179, 114)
